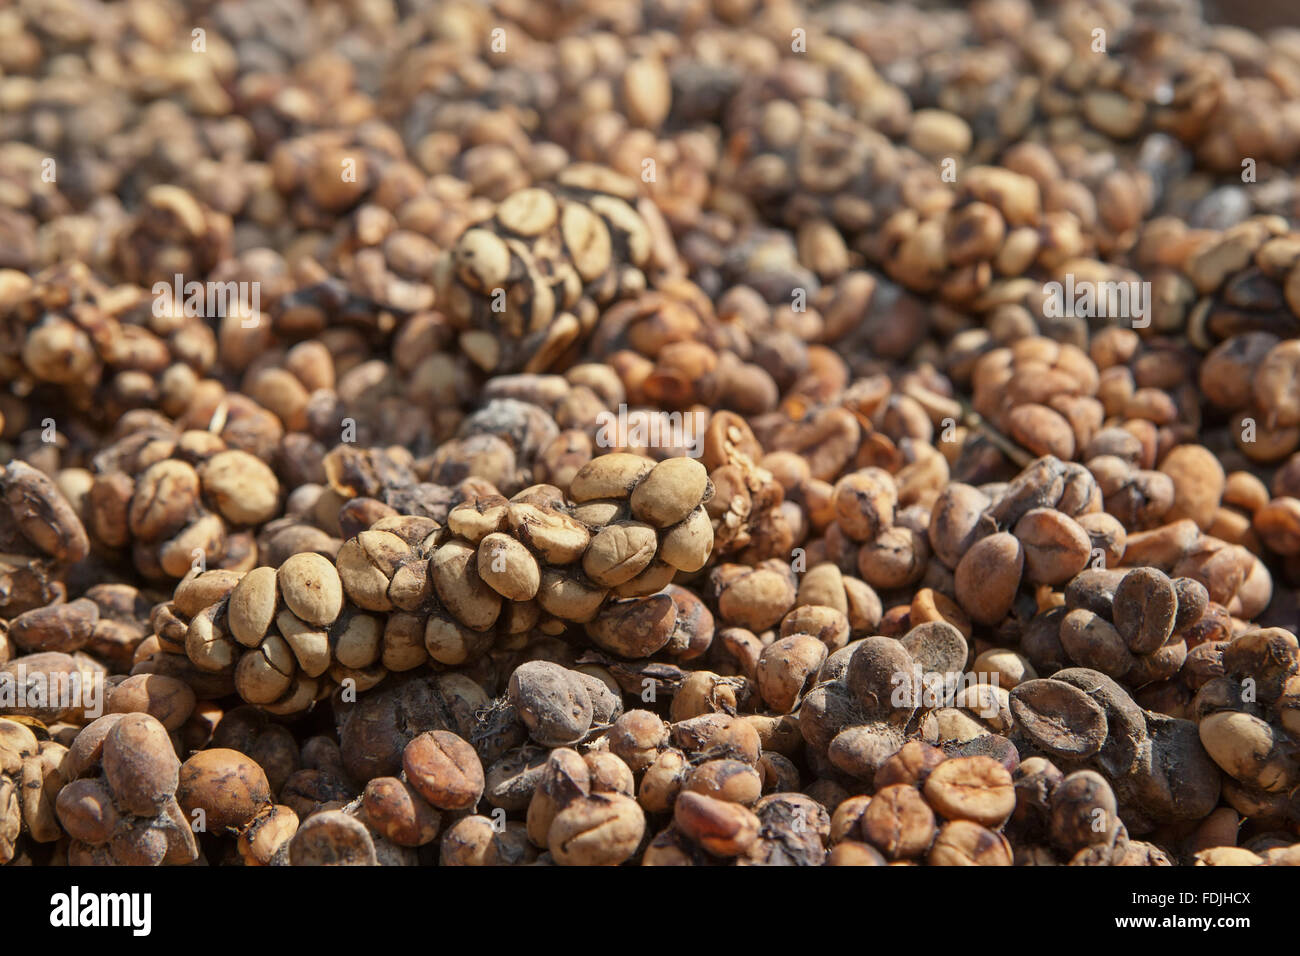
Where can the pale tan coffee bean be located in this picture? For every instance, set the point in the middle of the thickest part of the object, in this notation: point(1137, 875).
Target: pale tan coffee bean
point(311, 588)
point(252, 606)
point(310, 643)
point(609, 476)
point(587, 239)
point(687, 545)
point(557, 538)
point(528, 212)
point(265, 672)
point(241, 487)
point(603, 829)
point(568, 596)
point(478, 517)
point(482, 260)
point(454, 570)
point(670, 492)
point(508, 568)
point(366, 565)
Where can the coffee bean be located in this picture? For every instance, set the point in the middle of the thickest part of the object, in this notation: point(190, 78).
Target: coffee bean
point(723, 829)
point(528, 212)
point(332, 838)
point(139, 764)
point(965, 843)
point(937, 647)
point(637, 737)
point(619, 552)
point(554, 705)
point(444, 769)
point(1056, 547)
point(1145, 607)
point(787, 667)
point(610, 476)
point(988, 577)
point(899, 822)
point(599, 830)
point(311, 588)
point(453, 569)
point(1059, 718)
point(1083, 812)
point(506, 566)
point(1091, 641)
point(880, 673)
point(971, 788)
point(227, 786)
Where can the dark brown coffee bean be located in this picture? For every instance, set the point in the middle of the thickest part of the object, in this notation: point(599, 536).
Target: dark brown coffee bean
point(1145, 607)
point(1092, 641)
point(1059, 718)
point(1083, 812)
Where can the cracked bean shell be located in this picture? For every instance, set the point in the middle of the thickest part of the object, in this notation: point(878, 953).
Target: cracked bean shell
point(556, 537)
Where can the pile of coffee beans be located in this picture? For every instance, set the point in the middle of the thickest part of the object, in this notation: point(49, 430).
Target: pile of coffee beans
point(679, 433)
